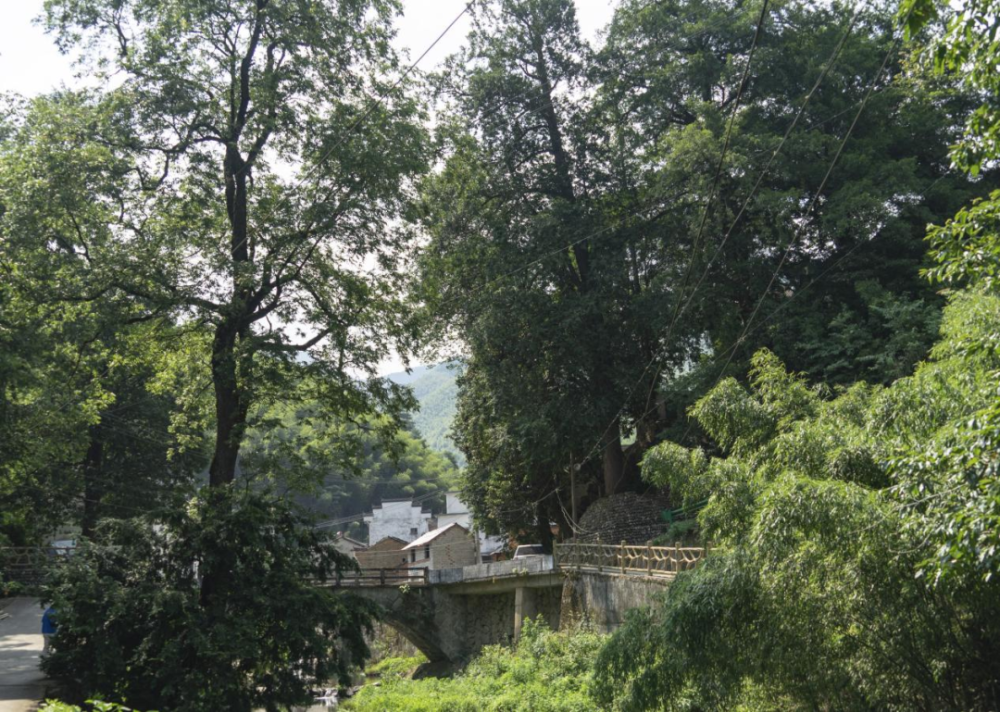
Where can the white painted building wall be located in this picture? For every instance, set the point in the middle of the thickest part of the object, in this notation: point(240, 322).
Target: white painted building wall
point(457, 512)
point(400, 518)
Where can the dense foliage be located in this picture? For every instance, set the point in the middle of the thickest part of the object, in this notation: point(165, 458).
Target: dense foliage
point(224, 178)
point(204, 233)
point(544, 672)
point(600, 259)
point(338, 470)
point(827, 508)
point(133, 625)
point(964, 468)
point(698, 246)
point(94, 705)
point(856, 527)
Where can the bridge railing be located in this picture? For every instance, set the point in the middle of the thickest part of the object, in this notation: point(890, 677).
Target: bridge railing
point(628, 558)
point(382, 577)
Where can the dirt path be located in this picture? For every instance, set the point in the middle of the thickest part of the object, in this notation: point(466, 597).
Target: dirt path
point(22, 684)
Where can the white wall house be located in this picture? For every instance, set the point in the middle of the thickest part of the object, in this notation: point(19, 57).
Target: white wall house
point(399, 518)
point(457, 512)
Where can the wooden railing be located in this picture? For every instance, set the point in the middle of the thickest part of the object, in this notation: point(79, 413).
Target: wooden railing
point(29, 564)
point(628, 558)
point(382, 577)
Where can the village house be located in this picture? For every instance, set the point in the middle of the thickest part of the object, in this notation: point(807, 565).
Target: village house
point(447, 547)
point(346, 545)
point(400, 518)
point(384, 554)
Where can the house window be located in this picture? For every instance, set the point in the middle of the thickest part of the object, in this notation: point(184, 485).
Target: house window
point(427, 551)
point(413, 556)
point(413, 531)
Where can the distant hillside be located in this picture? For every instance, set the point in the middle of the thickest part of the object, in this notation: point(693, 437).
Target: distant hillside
point(435, 388)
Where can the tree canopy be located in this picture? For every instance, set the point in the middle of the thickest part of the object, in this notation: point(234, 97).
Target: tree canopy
point(612, 227)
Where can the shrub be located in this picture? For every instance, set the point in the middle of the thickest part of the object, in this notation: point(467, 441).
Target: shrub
point(216, 607)
point(95, 705)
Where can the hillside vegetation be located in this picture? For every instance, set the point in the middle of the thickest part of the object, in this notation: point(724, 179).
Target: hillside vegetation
point(436, 390)
point(340, 470)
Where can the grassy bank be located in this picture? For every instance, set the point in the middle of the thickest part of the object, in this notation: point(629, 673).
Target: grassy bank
point(545, 672)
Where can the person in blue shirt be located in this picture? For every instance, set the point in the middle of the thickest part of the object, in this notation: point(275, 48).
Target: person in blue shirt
point(48, 628)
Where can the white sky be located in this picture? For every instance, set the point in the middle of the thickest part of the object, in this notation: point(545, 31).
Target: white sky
point(30, 63)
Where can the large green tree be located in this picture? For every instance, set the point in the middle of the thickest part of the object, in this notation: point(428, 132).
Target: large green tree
point(242, 169)
point(234, 178)
point(91, 416)
point(581, 245)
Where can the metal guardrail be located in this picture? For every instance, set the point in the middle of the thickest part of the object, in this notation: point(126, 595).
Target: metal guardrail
point(624, 558)
point(29, 565)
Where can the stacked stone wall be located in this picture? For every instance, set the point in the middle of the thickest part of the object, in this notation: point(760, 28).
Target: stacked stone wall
point(626, 517)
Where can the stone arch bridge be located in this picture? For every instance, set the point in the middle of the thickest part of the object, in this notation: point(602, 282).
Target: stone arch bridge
point(450, 614)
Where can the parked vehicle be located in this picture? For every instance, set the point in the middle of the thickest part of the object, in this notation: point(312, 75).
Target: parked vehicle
point(525, 550)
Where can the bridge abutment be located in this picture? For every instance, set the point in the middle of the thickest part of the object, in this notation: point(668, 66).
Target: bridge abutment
point(601, 601)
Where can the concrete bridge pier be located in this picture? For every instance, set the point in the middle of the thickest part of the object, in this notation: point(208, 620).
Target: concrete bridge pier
point(525, 607)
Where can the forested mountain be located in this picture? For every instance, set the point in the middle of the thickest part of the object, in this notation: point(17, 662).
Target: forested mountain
point(436, 390)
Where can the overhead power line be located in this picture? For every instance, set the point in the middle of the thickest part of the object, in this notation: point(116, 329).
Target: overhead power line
point(870, 89)
point(815, 199)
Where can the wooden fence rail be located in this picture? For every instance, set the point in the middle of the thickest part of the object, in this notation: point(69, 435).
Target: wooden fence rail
point(382, 577)
point(628, 558)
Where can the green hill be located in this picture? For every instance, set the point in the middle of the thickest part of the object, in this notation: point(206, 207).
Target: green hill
point(436, 389)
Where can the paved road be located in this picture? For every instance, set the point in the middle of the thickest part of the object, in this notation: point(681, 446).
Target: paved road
point(22, 684)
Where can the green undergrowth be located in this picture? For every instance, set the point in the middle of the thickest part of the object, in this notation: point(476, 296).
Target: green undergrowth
point(397, 666)
point(92, 705)
point(546, 672)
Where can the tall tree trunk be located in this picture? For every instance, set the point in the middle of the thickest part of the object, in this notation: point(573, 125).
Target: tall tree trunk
point(230, 407)
point(230, 398)
point(93, 489)
point(614, 463)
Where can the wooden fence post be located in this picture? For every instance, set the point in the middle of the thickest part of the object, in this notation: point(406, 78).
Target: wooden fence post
point(649, 558)
point(677, 557)
point(621, 556)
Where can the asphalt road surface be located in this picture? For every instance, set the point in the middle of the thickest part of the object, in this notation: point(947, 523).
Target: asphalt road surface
point(22, 684)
